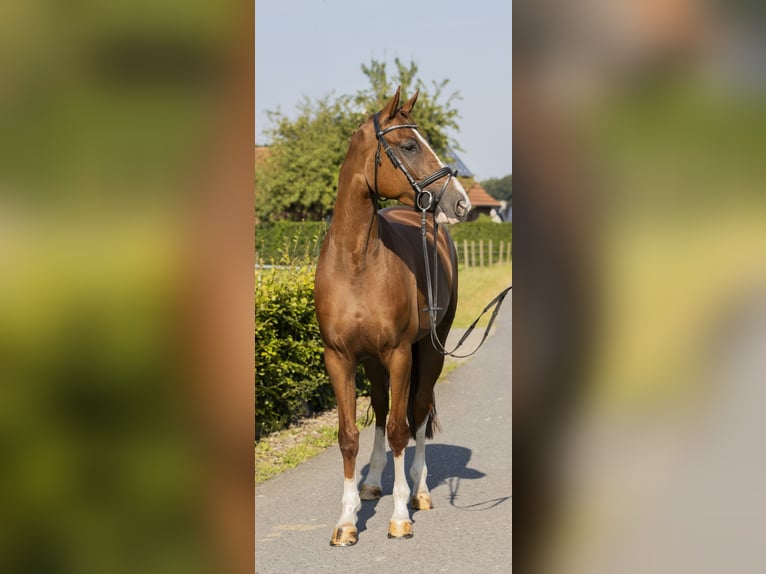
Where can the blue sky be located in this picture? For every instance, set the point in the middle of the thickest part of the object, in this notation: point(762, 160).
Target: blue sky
point(316, 47)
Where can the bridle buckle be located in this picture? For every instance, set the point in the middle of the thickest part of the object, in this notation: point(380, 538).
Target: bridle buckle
point(429, 197)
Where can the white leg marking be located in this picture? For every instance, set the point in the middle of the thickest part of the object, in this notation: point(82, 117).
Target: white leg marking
point(401, 491)
point(419, 470)
point(350, 503)
point(377, 458)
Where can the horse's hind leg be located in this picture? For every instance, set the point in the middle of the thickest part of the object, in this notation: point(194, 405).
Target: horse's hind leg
point(371, 488)
point(428, 367)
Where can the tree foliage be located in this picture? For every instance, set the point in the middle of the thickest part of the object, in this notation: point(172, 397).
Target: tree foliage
point(434, 118)
point(299, 177)
point(298, 180)
point(499, 188)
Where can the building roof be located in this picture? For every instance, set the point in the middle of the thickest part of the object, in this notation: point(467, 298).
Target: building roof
point(457, 164)
point(479, 197)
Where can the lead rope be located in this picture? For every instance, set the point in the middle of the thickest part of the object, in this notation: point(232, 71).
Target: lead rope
point(432, 295)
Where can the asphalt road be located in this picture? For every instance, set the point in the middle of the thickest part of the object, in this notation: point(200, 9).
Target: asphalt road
point(470, 468)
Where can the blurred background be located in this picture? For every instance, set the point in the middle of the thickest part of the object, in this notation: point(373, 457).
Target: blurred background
point(640, 268)
point(126, 133)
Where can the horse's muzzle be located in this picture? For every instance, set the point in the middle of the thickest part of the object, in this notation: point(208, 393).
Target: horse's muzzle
point(462, 207)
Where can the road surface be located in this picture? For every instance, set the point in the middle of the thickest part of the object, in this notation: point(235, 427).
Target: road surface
point(470, 468)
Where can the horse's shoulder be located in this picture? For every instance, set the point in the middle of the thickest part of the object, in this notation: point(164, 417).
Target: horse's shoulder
point(401, 216)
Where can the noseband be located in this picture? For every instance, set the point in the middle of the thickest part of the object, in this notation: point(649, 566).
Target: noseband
point(424, 198)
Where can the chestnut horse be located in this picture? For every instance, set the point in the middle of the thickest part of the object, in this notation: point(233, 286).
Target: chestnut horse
point(372, 303)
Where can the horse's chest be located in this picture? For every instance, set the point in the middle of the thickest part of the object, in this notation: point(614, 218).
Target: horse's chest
point(367, 315)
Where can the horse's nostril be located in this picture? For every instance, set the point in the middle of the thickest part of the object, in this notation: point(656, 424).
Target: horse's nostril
point(460, 209)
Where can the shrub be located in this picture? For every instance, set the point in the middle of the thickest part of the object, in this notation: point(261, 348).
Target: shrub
point(280, 240)
point(290, 375)
point(485, 229)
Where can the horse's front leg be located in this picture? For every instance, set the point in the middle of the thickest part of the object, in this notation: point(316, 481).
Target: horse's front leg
point(341, 370)
point(399, 368)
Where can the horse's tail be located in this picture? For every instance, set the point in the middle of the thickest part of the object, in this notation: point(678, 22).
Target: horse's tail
point(432, 421)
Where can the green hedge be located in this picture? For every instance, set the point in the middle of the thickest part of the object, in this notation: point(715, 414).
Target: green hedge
point(482, 229)
point(282, 240)
point(276, 242)
point(290, 375)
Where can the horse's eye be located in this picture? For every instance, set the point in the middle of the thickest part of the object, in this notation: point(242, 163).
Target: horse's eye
point(409, 146)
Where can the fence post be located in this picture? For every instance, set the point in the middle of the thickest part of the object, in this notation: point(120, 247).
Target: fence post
point(481, 253)
point(490, 253)
point(465, 253)
point(501, 251)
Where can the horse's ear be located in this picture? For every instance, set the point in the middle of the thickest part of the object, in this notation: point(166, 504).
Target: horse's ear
point(389, 110)
point(409, 104)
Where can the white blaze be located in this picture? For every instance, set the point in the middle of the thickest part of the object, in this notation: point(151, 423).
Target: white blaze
point(441, 218)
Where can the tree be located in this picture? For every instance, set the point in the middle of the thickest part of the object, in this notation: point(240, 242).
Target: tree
point(299, 178)
point(433, 118)
point(499, 188)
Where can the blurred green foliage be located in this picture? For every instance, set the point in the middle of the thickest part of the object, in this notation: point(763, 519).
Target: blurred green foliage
point(483, 228)
point(98, 472)
point(105, 98)
point(499, 188)
point(105, 112)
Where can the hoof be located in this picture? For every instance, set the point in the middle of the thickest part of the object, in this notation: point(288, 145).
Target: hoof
point(421, 501)
point(370, 492)
point(343, 536)
point(400, 529)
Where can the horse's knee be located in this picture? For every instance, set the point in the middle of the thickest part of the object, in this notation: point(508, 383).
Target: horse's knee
point(398, 436)
point(348, 440)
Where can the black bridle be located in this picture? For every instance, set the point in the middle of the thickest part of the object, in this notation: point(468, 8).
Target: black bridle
point(424, 198)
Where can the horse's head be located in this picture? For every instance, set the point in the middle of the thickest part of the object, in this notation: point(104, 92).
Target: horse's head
point(405, 168)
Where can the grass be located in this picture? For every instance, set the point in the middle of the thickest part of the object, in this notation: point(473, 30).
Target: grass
point(476, 288)
point(271, 460)
point(286, 449)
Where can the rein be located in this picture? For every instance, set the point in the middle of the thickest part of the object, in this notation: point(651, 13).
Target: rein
point(426, 202)
point(432, 308)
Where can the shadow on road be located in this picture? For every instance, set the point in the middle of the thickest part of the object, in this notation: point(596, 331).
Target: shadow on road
point(447, 464)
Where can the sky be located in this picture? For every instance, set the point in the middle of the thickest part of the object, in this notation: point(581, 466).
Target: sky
point(314, 48)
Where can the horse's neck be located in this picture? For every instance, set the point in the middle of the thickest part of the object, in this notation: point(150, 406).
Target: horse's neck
point(355, 222)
